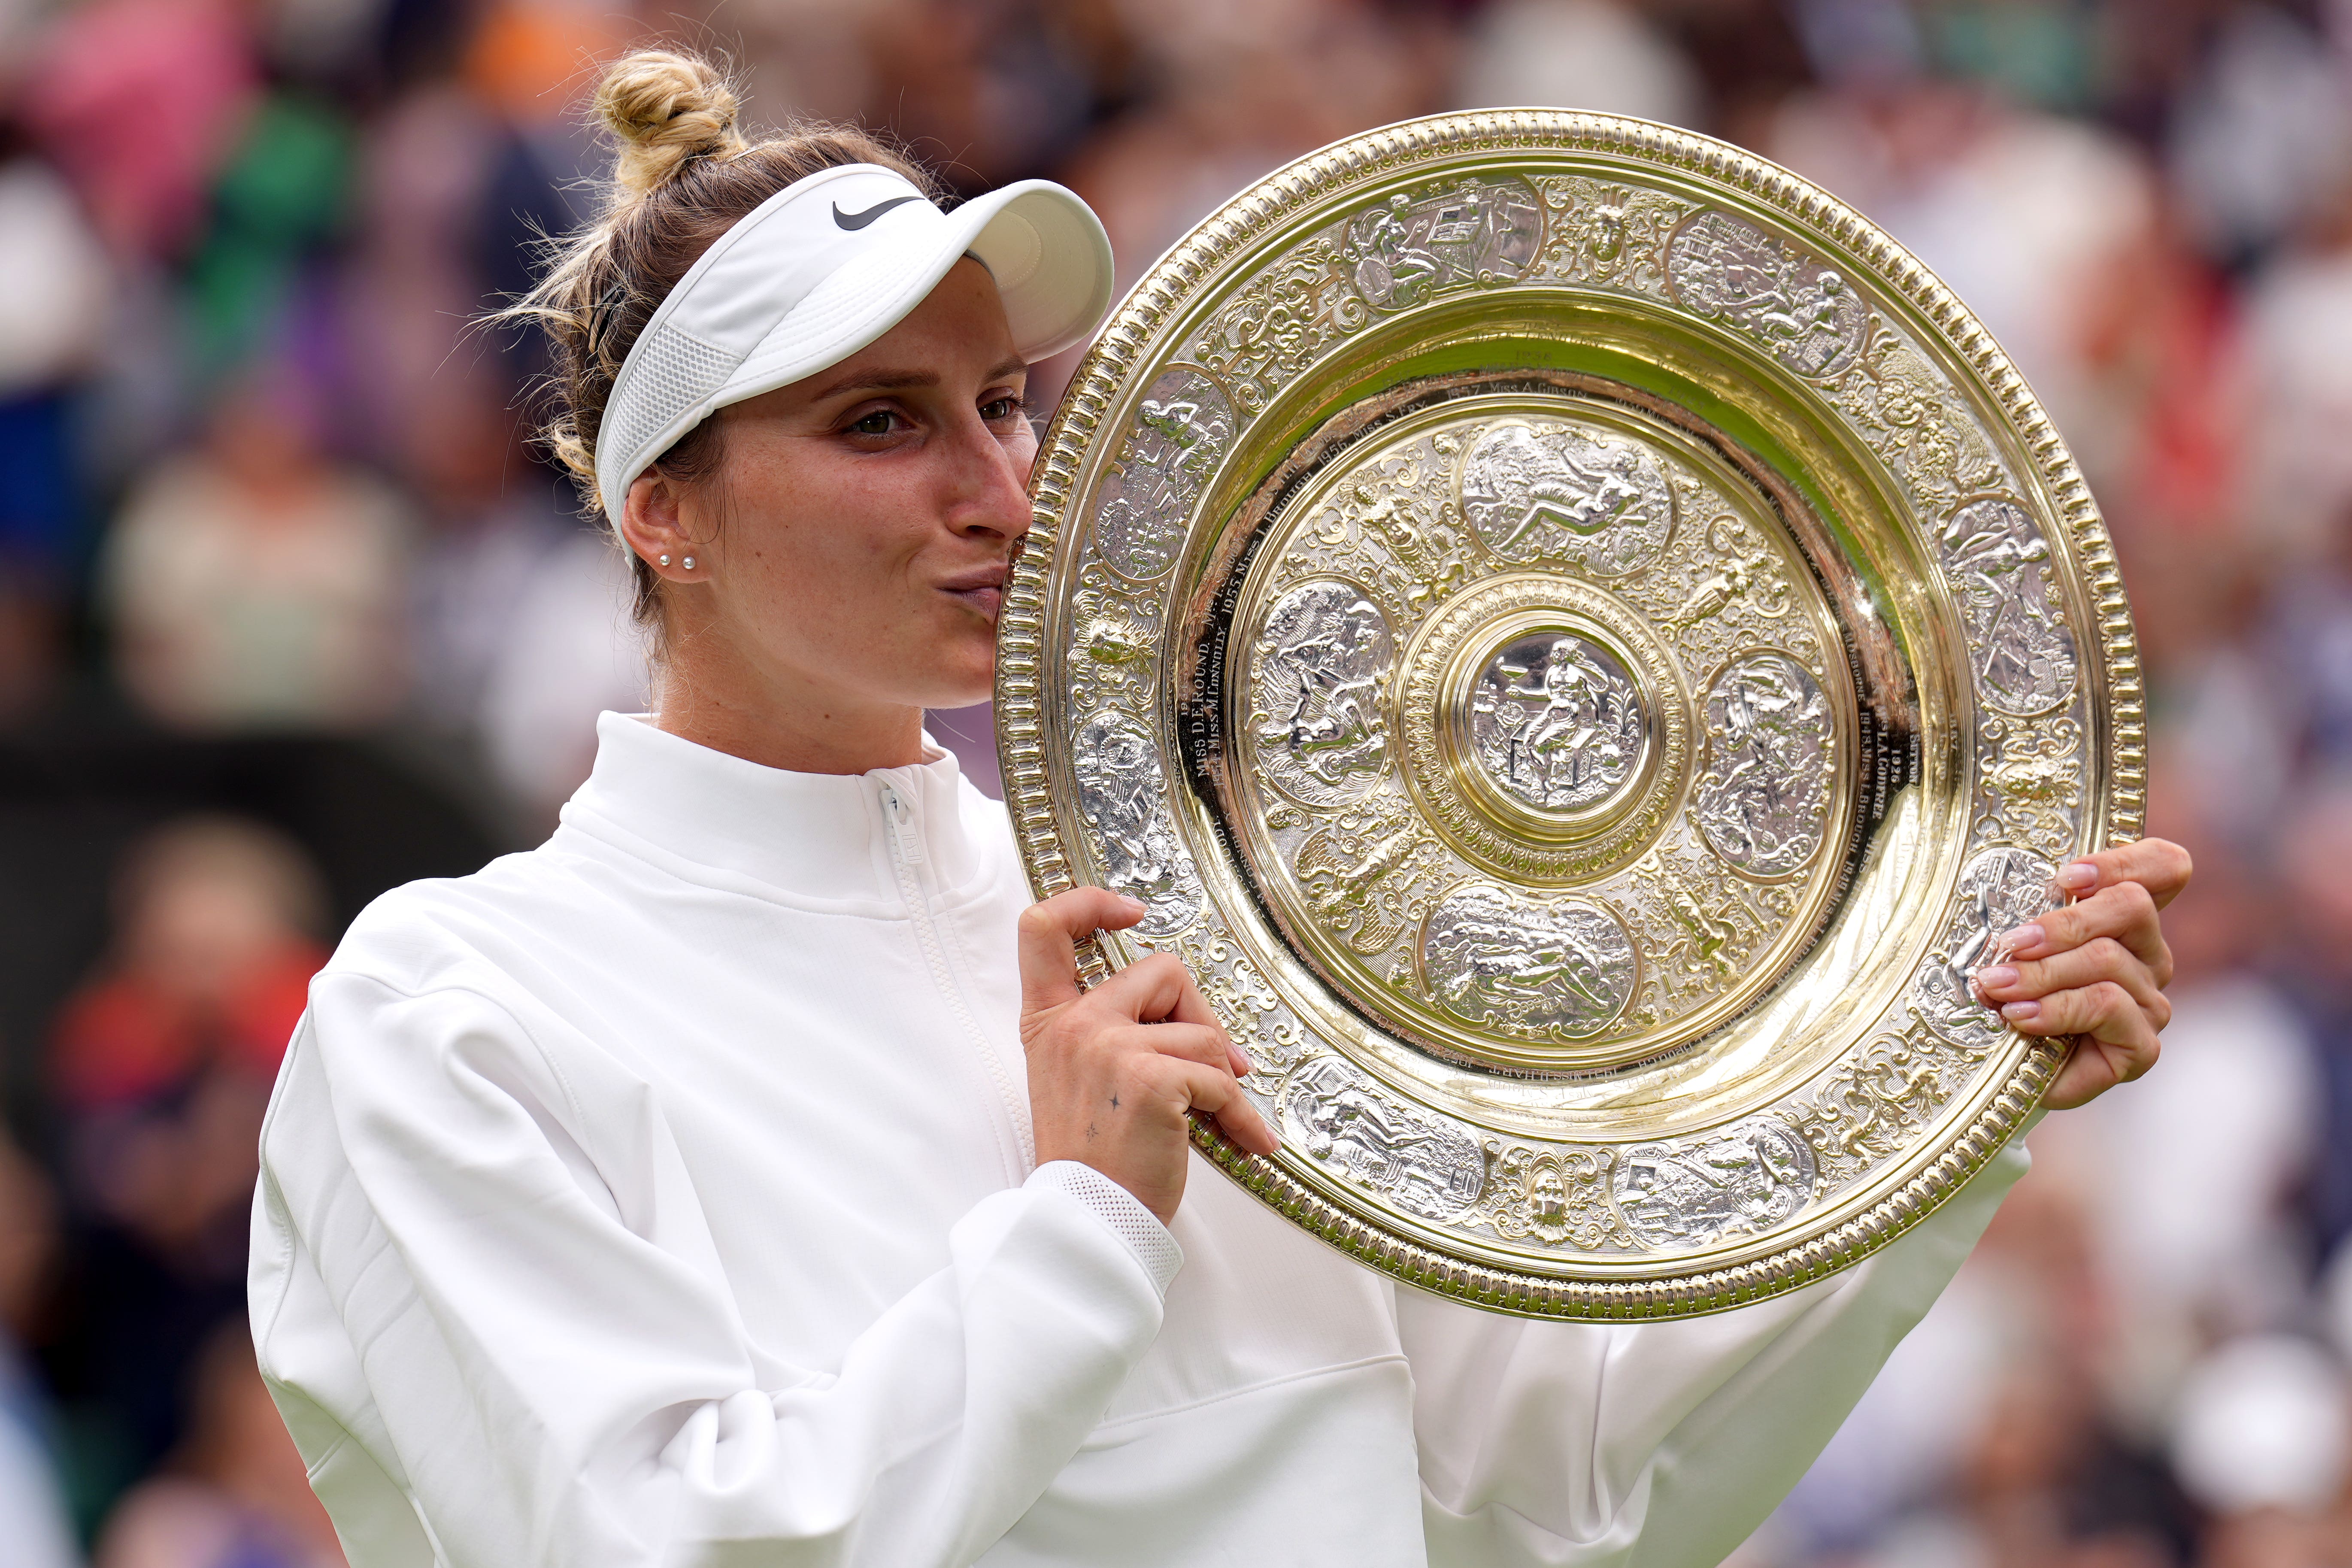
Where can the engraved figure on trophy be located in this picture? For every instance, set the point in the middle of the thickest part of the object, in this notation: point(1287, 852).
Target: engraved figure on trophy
point(1123, 797)
point(1686, 1194)
point(1182, 429)
point(1326, 649)
point(1592, 498)
point(1999, 890)
point(1402, 251)
point(1556, 722)
point(1999, 566)
point(1803, 312)
point(1763, 804)
point(1420, 1162)
point(1560, 969)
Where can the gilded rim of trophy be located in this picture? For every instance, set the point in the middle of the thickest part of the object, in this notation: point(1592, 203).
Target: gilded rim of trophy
point(1399, 149)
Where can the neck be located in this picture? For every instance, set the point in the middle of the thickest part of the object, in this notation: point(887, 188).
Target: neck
point(781, 720)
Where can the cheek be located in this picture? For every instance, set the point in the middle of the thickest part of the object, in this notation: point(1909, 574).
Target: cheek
point(828, 543)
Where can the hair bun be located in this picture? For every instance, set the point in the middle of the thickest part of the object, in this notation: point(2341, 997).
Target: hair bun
point(663, 107)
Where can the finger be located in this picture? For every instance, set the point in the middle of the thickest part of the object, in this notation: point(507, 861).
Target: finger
point(2102, 959)
point(2125, 912)
point(2091, 1069)
point(2160, 866)
point(1188, 1042)
point(1148, 990)
point(2116, 1041)
point(1049, 934)
point(1214, 1093)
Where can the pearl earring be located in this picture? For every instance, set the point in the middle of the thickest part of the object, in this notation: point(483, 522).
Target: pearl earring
point(689, 563)
point(665, 560)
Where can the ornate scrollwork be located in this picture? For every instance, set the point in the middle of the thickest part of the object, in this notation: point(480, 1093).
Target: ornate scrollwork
point(1872, 1106)
point(1557, 1195)
point(2031, 771)
point(1607, 234)
point(1283, 321)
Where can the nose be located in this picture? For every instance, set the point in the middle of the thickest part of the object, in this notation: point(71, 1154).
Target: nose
point(990, 491)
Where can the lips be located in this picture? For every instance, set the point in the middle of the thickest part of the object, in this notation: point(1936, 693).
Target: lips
point(981, 588)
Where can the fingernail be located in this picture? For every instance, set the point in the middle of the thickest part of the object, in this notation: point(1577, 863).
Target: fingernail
point(1137, 905)
point(1997, 976)
point(2021, 1010)
point(2082, 874)
point(1248, 1065)
point(2024, 939)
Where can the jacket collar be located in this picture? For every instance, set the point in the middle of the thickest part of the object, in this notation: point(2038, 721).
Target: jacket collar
point(822, 837)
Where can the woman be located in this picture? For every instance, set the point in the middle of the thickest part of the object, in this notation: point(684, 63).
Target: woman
point(744, 1176)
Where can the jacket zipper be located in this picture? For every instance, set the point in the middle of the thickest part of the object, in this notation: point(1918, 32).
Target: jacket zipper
point(906, 853)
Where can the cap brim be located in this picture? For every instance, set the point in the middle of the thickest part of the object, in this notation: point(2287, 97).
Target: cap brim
point(1043, 246)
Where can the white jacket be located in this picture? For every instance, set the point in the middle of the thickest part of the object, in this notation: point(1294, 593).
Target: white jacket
point(665, 1195)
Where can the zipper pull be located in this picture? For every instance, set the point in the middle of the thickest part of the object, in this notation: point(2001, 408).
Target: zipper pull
point(903, 836)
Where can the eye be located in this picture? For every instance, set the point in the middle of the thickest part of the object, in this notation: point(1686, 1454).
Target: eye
point(996, 410)
point(878, 423)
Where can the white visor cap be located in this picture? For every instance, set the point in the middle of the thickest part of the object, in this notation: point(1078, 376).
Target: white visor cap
point(822, 268)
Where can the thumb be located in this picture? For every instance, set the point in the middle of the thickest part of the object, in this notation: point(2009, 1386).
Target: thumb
point(1050, 933)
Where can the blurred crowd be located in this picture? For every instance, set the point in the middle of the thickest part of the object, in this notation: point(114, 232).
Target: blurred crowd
point(291, 610)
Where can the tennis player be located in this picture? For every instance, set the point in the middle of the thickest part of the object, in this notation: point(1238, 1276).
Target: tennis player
point(742, 1176)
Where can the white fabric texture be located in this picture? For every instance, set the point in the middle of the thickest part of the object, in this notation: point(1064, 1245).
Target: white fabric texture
point(664, 1195)
point(822, 268)
point(1119, 1209)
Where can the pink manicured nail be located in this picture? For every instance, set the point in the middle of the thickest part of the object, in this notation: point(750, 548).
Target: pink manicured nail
point(1997, 976)
point(2021, 1011)
point(2082, 874)
point(2024, 939)
point(1137, 905)
point(1247, 1066)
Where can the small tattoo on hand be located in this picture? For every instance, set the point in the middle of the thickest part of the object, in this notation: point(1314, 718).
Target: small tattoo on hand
point(1114, 1102)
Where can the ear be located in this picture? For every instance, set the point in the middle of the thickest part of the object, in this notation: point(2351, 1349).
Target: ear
point(655, 526)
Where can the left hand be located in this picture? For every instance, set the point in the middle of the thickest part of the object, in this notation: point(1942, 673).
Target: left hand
point(2095, 969)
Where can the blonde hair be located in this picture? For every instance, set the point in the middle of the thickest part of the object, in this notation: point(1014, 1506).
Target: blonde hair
point(683, 173)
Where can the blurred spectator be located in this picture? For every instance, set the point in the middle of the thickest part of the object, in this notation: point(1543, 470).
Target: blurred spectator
point(569, 653)
point(140, 101)
point(2297, 375)
point(234, 1494)
point(2315, 950)
point(33, 1518)
point(255, 582)
point(50, 318)
point(2263, 1439)
point(160, 1065)
point(1576, 53)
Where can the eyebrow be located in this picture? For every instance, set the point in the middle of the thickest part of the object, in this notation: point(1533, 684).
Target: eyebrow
point(900, 380)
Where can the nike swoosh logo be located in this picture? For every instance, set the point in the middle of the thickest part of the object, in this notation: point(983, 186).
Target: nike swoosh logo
point(853, 221)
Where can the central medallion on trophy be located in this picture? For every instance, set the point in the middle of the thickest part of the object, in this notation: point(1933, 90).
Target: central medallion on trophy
point(1532, 698)
point(1555, 722)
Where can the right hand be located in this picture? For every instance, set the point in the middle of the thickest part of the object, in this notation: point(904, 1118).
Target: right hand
point(1113, 1071)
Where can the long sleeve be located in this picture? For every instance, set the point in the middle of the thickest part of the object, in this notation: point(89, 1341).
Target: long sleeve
point(1662, 1445)
point(492, 1355)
